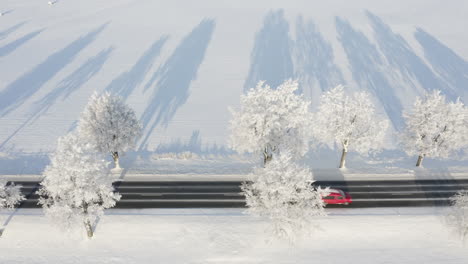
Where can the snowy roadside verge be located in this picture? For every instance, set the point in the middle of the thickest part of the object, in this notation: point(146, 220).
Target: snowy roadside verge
point(319, 175)
point(384, 235)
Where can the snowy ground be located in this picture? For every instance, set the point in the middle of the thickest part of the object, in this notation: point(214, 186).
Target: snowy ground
point(186, 62)
point(22, 166)
point(362, 174)
point(390, 235)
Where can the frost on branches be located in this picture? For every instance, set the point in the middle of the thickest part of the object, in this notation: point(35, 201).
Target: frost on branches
point(77, 187)
point(282, 191)
point(110, 125)
point(435, 128)
point(270, 121)
point(349, 121)
point(457, 218)
point(10, 195)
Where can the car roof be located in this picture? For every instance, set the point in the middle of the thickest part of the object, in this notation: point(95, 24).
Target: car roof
point(338, 191)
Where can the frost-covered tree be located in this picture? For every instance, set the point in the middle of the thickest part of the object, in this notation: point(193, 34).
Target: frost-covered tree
point(282, 191)
point(270, 121)
point(434, 127)
point(350, 122)
point(110, 125)
point(77, 186)
point(457, 218)
point(10, 195)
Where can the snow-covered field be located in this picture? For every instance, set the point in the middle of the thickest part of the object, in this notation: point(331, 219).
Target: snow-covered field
point(389, 235)
point(180, 64)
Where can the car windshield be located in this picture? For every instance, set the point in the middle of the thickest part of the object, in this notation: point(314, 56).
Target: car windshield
point(337, 191)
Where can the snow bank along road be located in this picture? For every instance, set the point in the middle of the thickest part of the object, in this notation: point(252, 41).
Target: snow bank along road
point(224, 194)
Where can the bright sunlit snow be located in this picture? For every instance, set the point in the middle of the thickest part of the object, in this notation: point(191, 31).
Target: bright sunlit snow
point(390, 235)
point(183, 71)
point(180, 64)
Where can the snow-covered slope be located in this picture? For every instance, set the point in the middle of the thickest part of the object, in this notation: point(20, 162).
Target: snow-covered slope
point(180, 64)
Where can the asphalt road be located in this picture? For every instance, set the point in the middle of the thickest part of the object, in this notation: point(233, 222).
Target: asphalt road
point(209, 194)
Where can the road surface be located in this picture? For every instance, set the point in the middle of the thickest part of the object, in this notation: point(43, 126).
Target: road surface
point(226, 194)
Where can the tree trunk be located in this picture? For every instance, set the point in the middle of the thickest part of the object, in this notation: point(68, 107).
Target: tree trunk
point(267, 155)
point(115, 156)
point(87, 223)
point(89, 228)
point(266, 158)
point(343, 158)
point(420, 159)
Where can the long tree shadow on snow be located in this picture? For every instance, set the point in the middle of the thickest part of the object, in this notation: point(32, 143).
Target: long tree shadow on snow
point(173, 79)
point(8, 31)
point(315, 59)
point(124, 84)
point(74, 81)
point(64, 89)
point(16, 93)
point(12, 46)
point(367, 67)
point(400, 56)
point(271, 59)
point(450, 66)
point(23, 163)
point(9, 11)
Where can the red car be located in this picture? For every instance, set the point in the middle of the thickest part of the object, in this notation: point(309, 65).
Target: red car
point(337, 196)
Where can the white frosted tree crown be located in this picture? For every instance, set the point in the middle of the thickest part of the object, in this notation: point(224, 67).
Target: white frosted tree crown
point(77, 186)
point(109, 125)
point(271, 120)
point(283, 193)
point(434, 127)
point(348, 121)
point(10, 195)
